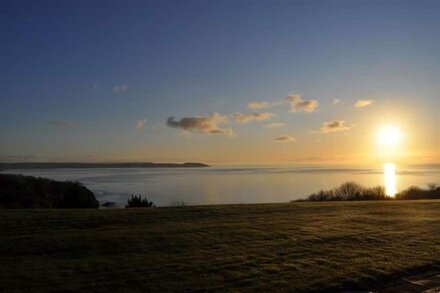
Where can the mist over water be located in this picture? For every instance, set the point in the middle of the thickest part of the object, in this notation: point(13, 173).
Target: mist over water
point(225, 185)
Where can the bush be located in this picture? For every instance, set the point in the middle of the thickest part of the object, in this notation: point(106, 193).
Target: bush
point(109, 204)
point(354, 191)
point(349, 191)
point(413, 192)
point(17, 191)
point(138, 202)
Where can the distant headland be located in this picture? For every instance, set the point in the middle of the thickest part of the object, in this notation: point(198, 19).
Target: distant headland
point(56, 165)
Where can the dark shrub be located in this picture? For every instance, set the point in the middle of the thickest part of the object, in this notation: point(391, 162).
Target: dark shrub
point(374, 193)
point(354, 191)
point(138, 202)
point(414, 192)
point(109, 204)
point(17, 191)
point(348, 191)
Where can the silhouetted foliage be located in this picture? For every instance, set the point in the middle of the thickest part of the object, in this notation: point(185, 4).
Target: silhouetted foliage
point(349, 191)
point(109, 204)
point(138, 202)
point(413, 192)
point(17, 191)
point(354, 191)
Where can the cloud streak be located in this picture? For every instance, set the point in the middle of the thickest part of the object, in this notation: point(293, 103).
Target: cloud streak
point(275, 125)
point(257, 105)
point(117, 88)
point(297, 104)
point(284, 138)
point(18, 158)
point(62, 123)
point(244, 118)
point(363, 103)
point(334, 126)
point(141, 123)
point(201, 124)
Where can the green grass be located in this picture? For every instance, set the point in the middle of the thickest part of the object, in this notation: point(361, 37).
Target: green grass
point(299, 247)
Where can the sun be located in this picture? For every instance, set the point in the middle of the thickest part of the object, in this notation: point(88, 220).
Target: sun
point(389, 136)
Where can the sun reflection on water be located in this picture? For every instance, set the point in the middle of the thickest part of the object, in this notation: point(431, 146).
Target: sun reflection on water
point(389, 172)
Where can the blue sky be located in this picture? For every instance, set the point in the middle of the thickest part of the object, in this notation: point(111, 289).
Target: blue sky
point(77, 76)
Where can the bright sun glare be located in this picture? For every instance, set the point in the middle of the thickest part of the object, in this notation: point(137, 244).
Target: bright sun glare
point(389, 135)
point(390, 179)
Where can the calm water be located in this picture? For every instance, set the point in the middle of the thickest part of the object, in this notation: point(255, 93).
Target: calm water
point(219, 185)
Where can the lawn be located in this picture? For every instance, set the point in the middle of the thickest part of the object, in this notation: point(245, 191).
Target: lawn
point(300, 247)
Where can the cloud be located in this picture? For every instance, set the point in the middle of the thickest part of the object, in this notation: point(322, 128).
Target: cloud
point(62, 123)
point(363, 103)
point(275, 125)
point(244, 118)
point(336, 101)
point(256, 105)
point(201, 124)
point(18, 158)
point(334, 126)
point(141, 123)
point(284, 138)
point(299, 105)
point(117, 88)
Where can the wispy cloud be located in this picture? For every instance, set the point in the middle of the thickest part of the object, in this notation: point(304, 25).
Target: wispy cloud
point(285, 138)
point(334, 126)
point(363, 103)
point(62, 123)
point(256, 105)
point(141, 123)
point(201, 124)
point(244, 118)
point(18, 158)
point(275, 125)
point(297, 104)
point(336, 101)
point(117, 88)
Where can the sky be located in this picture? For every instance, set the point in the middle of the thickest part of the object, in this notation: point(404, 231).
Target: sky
point(222, 82)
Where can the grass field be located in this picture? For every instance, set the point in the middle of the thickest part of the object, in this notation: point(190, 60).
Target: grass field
point(298, 247)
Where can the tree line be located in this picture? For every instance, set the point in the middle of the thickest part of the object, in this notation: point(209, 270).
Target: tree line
point(355, 191)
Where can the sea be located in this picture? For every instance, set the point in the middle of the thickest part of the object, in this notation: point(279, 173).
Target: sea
point(228, 184)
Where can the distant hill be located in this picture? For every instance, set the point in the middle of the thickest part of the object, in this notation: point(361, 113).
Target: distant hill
point(6, 166)
point(18, 191)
